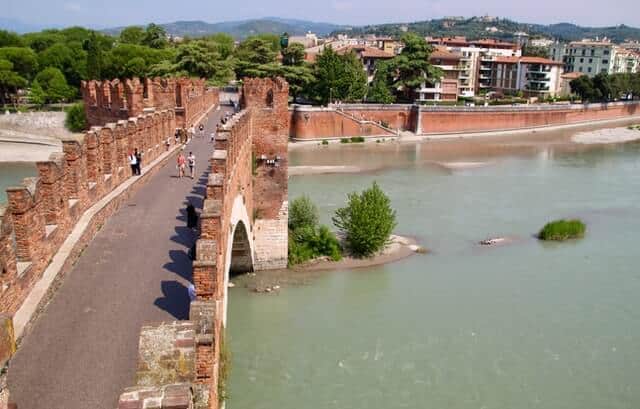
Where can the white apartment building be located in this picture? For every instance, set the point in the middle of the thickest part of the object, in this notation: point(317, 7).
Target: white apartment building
point(590, 57)
point(534, 76)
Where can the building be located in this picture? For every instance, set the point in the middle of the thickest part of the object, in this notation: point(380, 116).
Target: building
point(625, 61)
point(534, 76)
point(565, 82)
point(369, 56)
point(308, 40)
point(558, 51)
point(590, 57)
point(476, 59)
point(446, 88)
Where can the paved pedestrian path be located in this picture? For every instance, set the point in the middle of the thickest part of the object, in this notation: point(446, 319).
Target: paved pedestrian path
point(82, 350)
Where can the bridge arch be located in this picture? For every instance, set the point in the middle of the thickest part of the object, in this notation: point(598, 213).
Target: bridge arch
point(239, 257)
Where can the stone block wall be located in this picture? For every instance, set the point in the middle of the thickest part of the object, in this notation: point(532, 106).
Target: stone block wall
point(111, 101)
point(42, 211)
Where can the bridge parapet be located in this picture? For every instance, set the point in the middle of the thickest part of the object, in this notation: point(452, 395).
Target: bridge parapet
point(42, 211)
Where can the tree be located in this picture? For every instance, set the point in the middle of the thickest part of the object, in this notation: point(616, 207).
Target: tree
point(411, 67)
point(155, 36)
point(10, 82)
point(68, 58)
point(367, 221)
point(200, 59)
point(54, 85)
point(379, 90)
point(223, 44)
point(602, 83)
point(302, 213)
point(24, 60)
point(36, 94)
point(584, 87)
point(253, 52)
point(43, 40)
point(293, 55)
point(338, 77)
point(92, 45)
point(532, 51)
point(132, 35)
point(10, 39)
point(119, 62)
point(76, 121)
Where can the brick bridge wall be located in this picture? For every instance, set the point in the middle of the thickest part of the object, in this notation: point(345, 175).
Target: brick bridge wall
point(249, 165)
point(42, 211)
point(110, 101)
point(310, 123)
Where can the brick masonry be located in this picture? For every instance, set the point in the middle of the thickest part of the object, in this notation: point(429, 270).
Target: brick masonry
point(347, 120)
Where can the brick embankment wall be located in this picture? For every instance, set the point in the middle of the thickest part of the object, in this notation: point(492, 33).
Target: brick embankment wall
point(110, 101)
point(479, 119)
point(309, 123)
point(42, 211)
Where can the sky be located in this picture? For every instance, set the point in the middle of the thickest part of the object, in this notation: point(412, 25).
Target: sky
point(109, 13)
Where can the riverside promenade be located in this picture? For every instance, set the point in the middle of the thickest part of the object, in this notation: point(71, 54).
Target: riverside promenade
point(82, 351)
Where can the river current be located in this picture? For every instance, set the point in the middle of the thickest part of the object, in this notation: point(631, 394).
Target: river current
point(523, 325)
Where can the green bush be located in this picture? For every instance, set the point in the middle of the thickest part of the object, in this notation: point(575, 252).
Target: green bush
point(560, 230)
point(367, 221)
point(76, 120)
point(325, 142)
point(344, 140)
point(357, 139)
point(302, 213)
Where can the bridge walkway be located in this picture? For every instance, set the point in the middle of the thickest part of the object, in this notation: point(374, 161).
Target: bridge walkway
point(82, 350)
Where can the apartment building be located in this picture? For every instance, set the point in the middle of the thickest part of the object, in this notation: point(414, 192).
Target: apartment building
point(625, 61)
point(446, 87)
point(534, 76)
point(476, 60)
point(590, 57)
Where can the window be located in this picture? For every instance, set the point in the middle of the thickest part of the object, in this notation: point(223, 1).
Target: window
point(581, 59)
point(580, 69)
point(593, 52)
point(605, 61)
point(584, 52)
point(590, 60)
point(606, 52)
point(589, 70)
point(603, 70)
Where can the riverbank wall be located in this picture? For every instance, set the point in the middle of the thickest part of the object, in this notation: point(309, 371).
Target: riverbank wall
point(377, 120)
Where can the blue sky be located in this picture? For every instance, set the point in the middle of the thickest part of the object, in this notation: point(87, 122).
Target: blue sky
point(108, 13)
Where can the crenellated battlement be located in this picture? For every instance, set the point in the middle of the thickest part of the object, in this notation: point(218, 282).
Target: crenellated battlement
point(42, 211)
point(110, 101)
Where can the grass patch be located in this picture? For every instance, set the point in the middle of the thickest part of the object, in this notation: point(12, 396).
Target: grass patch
point(325, 142)
point(357, 139)
point(560, 230)
point(344, 140)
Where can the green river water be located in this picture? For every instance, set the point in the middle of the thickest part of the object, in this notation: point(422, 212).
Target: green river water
point(524, 325)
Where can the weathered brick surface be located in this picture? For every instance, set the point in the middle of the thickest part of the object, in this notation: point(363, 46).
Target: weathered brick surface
point(110, 101)
point(42, 211)
point(7, 339)
point(345, 120)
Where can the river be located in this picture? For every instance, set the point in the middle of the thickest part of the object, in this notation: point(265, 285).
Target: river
point(11, 174)
point(524, 325)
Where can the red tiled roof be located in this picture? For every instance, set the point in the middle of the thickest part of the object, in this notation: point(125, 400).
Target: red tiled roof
point(526, 60)
point(507, 60)
point(364, 51)
point(444, 54)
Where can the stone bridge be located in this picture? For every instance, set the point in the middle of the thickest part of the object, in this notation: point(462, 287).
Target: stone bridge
point(242, 227)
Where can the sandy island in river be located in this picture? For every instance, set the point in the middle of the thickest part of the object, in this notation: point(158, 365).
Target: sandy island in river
point(608, 135)
point(272, 281)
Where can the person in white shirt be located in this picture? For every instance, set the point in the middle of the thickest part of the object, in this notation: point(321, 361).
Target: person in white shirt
point(191, 160)
point(133, 162)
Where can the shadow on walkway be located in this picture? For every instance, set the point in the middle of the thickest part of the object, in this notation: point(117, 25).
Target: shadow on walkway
point(175, 299)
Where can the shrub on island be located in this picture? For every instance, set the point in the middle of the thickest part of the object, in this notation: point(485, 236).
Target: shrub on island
point(366, 222)
point(308, 239)
point(560, 230)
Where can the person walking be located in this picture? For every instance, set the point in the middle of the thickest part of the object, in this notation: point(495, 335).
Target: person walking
point(191, 159)
point(167, 144)
point(181, 163)
point(177, 135)
point(133, 161)
point(192, 132)
point(201, 130)
point(138, 161)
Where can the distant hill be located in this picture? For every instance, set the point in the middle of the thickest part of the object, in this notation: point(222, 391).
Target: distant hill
point(478, 27)
point(20, 27)
point(244, 28)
